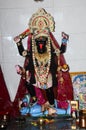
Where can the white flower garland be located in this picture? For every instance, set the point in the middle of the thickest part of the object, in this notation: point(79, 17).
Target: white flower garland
point(41, 73)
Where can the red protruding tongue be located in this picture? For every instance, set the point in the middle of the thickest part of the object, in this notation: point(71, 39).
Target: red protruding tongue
point(41, 45)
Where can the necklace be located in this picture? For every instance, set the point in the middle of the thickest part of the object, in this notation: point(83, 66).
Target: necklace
point(41, 62)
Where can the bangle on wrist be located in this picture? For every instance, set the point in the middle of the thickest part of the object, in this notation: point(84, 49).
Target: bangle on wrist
point(18, 43)
point(21, 37)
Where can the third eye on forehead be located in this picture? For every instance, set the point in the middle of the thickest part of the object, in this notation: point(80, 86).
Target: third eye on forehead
point(42, 38)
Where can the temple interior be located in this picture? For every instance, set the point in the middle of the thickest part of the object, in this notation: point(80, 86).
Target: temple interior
point(46, 39)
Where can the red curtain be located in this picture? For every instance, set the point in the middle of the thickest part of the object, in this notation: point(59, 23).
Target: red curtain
point(5, 102)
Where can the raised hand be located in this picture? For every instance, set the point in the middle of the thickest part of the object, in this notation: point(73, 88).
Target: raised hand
point(17, 39)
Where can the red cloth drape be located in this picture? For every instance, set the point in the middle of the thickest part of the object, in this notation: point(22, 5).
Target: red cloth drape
point(5, 102)
point(64, 90)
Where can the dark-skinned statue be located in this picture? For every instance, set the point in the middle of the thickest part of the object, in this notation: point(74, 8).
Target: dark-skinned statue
point(43, 56)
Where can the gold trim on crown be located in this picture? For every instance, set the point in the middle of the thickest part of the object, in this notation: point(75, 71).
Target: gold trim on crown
point(41, 23)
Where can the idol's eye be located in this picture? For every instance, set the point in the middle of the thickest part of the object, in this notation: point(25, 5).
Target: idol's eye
point(41, 39)
point(37, 40)
point(45, 38)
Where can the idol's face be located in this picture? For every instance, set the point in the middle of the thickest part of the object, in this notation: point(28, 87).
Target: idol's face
point(41, 44)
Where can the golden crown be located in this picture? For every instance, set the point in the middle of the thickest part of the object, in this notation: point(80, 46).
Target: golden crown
point(41, 23)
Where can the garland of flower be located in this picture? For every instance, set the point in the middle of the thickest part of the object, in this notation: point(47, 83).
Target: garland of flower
point(42, 79)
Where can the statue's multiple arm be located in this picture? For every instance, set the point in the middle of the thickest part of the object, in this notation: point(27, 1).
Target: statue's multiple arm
point(20, 47)
point(65, 39)
point(25, 53)
point(18, 40)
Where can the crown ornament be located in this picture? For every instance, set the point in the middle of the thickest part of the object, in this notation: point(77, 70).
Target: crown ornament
point(41, 23)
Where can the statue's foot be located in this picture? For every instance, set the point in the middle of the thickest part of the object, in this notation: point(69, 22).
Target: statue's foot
point(45, 106)
point(51, 111)
point(33, 102)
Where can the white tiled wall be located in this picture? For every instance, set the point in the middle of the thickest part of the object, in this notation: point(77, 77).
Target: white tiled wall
point(14, 16)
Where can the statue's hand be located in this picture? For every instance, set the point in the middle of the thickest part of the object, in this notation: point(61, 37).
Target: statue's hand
point(17, 39)
point(18, 69)
point(65, 36)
